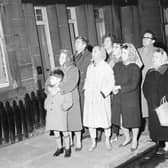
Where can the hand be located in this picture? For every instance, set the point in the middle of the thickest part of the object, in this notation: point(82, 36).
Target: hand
point(118, 87)
point(115, 91)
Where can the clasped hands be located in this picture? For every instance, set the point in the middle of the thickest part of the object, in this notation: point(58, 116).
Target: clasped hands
point(116, 89)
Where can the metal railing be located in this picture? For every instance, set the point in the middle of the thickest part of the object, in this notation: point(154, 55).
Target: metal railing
point(19, 119)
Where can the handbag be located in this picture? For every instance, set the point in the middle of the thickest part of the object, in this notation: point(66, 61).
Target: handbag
point(162, 112)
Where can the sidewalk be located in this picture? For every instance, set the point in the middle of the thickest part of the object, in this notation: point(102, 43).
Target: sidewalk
point(37, 152)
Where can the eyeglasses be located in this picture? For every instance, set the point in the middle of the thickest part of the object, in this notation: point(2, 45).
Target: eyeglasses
point(148, 38)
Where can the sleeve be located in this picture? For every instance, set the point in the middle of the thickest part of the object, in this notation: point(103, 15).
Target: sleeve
point(108, 82)
point(150, 87)
point(46, 86)
point(68, 101)
point(134, 81)
point(87, 77)
point(71, 81)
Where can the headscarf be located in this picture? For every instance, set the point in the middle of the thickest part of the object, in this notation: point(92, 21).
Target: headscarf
point(163, 59)
point(133, 54)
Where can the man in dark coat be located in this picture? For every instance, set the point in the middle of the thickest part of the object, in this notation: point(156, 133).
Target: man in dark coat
point(82, 60)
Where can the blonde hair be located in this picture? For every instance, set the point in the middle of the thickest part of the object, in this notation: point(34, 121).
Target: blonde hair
point(69, 56)
point(164, 56)
point(102, 51)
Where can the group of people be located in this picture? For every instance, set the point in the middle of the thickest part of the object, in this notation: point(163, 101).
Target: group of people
point(105, 89)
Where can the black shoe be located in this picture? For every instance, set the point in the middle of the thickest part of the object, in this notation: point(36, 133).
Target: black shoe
point(51, 133)
point(67, 152)
point(58, 152)
point(78, 149)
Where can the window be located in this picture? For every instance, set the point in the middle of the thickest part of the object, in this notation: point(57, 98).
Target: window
point(100, 26)
point(72, 22)
point(4, 75)
point(165, 23)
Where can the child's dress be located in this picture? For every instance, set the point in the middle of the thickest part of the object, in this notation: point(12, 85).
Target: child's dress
point(57, 106)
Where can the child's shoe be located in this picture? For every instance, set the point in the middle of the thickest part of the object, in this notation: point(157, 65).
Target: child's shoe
point(58, 152)
point(67, 152)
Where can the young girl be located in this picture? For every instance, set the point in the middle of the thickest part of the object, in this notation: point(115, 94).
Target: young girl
point(57, 106)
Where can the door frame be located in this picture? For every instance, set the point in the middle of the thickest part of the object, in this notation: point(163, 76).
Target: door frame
point(47, 32)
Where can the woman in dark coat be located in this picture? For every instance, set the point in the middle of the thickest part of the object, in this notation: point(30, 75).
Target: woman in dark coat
point(70, 85)
point(155, 87)
point(126, 101)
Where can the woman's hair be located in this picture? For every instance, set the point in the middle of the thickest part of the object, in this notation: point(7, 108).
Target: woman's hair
point(58, 73)
point(163, 53)
point(113, 38)
point(69, 56)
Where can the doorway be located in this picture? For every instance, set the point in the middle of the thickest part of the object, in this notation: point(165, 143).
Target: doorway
point(46, 50)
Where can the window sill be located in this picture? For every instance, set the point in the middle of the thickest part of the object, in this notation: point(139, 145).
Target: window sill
point(11, 94)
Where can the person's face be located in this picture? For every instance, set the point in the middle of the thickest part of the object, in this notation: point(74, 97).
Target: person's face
point(54, 81)
point(62, 59)
point(116, 50)
point(95, 53)
point(124, 54)
point(147, 39)
point(107, 43)
point(79, 45)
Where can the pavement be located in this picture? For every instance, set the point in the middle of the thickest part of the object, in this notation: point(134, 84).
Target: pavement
point(37, 152)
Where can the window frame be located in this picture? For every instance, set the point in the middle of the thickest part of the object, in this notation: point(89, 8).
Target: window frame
point(7, 85)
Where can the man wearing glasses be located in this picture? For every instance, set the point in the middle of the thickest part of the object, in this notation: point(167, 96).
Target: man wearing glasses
point(146, 53)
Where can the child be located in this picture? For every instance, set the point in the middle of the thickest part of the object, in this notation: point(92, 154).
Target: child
point(57, 106)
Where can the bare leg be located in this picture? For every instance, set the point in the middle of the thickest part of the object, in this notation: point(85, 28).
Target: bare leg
point(66, 140)
point(166, 146)
point(71, 138)
point(78, 139)
point(127, 136)
point(107, 134)
point(67, 144)
point(59, 149)
point(93, 138)
point(135, 132)
point(58, 139)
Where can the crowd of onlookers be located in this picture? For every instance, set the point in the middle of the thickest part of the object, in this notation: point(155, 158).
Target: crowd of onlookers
point(115, 86)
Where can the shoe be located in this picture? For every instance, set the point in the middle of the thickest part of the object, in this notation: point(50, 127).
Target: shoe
point(125, 144)
point(51, 133)
point(99, 139)
point(133, 149)
point(92, 148)
point(58, 152)
point(67, 152)
point(78, 149)
point(72, 145)
point(108, 146)
point(114, 139)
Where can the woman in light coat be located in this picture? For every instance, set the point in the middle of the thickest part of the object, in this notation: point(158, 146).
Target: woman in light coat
point(99, 83)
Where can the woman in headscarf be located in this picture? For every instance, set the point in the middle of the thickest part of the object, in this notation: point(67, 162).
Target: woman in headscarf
point(70, 84)
point(126, 100)
point(154, 88)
